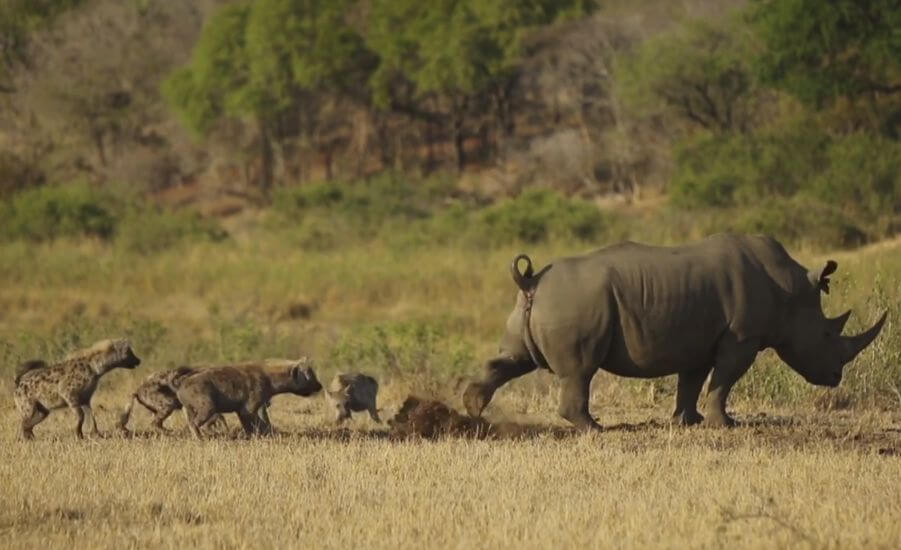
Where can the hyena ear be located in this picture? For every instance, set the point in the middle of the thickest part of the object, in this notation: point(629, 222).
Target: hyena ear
point(295, 373)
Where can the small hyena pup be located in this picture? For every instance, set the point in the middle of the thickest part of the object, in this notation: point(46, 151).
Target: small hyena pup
point(353, 392)
point(243, 389)
point(156, 395)
point(40, 388)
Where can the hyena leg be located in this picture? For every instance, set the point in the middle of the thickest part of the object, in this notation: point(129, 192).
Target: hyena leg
point(33, 414)
point(89, 414)
point(126, 414)
point(249, 421)
point(252, 422)
point(341, 414)
point(196, 419)
point(79, 413)
point(219, 421)
point(159, 417)
point(374, 414)
point(264, 414)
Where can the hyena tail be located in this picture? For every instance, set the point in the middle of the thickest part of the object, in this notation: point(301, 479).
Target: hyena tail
point(177, 376)
point(27, 367)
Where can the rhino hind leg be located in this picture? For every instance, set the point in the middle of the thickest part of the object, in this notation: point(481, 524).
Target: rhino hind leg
point(498, 371)
point(687, 392)
point(733, 359)
point(574, 394)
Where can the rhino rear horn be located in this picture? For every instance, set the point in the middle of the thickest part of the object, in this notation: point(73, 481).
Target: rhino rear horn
point(820, 278)
point(837, 324)
point(855, 344)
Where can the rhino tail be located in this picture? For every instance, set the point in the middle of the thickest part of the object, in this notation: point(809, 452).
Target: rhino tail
point(27, 367)
point(527, 281)
point(523, 279)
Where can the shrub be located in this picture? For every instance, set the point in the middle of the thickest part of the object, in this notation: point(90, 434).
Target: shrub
point(801, 220)
point(536, 215)
point(45, 213)
point(323, 215)
point(741, 169)
point(151, 230)
point(863, 175)
point(403, 348)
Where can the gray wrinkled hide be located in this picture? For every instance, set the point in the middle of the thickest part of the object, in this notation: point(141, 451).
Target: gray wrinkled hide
point(644, 311)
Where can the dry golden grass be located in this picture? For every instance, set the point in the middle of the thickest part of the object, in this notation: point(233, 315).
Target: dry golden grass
point(799, 480)
point(791, 477)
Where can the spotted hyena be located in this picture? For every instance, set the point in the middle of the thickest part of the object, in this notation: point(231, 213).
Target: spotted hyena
point(353, 392)
point(244, 389)
point(40, 388)
point(156, 395)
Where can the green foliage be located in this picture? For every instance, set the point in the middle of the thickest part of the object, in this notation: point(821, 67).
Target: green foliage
point(45, 213)
point(217, 82)
point(699, 72)
point(799, 184)
point(82, 210)
point(302, 45)
point(740, 169)
point(804, 220)
point(863, 175)
point(19, 18)
point(151, 230)
point(260, 59)
point(819, 51)
point(409, 213)
point(455, 48)
point(537, 215)
point(403, 348)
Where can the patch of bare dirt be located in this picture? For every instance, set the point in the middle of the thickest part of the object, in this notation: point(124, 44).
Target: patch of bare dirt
point(430, 419)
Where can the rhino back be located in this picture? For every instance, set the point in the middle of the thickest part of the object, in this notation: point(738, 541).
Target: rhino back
point(651, 311)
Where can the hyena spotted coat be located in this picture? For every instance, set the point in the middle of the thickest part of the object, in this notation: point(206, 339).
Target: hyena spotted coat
point(156, 395)
point(40, 387)
point(244, 389)
point(353, 392)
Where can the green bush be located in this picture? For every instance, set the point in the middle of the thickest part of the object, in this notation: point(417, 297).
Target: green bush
point(740, 169)
point(49, 212)
point(801, 184)
point(403, 348)
point(151, 230)
point(863, 176)
point(799, 220)
point(537, 215)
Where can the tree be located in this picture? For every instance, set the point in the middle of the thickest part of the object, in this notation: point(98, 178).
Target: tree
point(699, 71)
point(819, 51)
point(438, 60)
point(18, 19)
point(87, 100)
point(271, 60)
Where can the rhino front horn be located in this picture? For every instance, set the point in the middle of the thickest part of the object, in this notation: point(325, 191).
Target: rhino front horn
point(856, 344)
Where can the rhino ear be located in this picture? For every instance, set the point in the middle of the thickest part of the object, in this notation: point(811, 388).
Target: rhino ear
point(819, 278)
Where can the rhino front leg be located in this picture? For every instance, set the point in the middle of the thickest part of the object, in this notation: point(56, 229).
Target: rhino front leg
point(732, 361)
point(687, 392)
point(498, 371)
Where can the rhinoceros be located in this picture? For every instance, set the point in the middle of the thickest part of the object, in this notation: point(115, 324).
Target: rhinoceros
point(634, 310)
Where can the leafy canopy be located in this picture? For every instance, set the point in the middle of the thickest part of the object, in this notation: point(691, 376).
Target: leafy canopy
point(819, 51)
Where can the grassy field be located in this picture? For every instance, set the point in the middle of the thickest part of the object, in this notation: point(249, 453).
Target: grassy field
point(810, 467)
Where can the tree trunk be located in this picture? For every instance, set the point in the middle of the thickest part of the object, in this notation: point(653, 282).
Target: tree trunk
point(459, 138)
point(267, 158)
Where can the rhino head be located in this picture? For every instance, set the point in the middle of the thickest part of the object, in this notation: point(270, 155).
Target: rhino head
point(811, 343)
